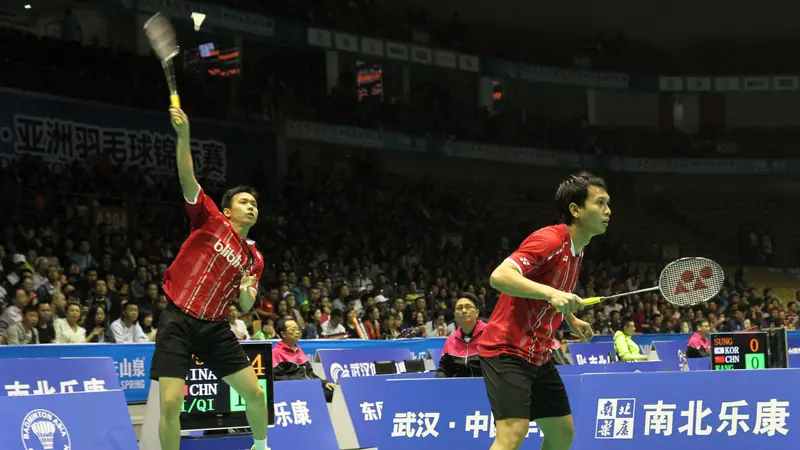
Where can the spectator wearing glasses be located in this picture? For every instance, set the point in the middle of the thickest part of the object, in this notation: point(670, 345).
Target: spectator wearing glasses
point(699, 346)
point(289, 361)
point(460, 354)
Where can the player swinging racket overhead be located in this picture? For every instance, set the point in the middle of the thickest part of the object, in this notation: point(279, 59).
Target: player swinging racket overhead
point(216, 265)
point(536, 284)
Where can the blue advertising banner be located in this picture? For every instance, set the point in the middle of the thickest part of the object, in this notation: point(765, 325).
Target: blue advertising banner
point(689, 410)
point(340, 363)
point(794, 361)
point(63, 131)
point(435, 414)
point(435, 354)
point(418, 346)
point(63, 404)
point(364, 399)
point(672, 353)
point(695, 364)
point(301, 421)
point(131, 361)
point(591, 353)
point(237, 20)
point(22, 377)
point(67, 422)
point(555, 75)
point(793, 341)
point(361, 137)
point(620, 367)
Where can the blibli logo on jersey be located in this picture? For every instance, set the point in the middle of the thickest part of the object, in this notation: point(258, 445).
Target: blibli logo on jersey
point(226, 251)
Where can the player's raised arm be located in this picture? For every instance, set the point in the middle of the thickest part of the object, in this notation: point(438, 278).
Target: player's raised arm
point(183, 154)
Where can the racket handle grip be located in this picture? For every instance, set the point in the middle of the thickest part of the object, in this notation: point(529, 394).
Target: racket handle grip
point(592, 300)
point(175, 101)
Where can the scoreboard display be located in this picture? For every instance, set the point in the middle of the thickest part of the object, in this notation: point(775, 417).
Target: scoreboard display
point(210, 404)
point(735, 351)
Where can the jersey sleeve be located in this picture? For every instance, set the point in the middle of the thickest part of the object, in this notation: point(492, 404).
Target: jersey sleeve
point(200, 208)
point(535, 250)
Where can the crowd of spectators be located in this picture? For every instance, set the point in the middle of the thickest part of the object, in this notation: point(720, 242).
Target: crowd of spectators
point(396, 257)
point(393, 254)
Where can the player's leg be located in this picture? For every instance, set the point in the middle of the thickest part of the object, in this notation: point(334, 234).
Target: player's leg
point(550, 409)
point(246, 384)
point(169, 425)
point(510, 434)
point(508, 382)
point(219, 349)
point(171, 360)
point(558, 432)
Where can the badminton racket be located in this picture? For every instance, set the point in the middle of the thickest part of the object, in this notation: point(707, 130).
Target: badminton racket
point(683, 282)
point(162, 38)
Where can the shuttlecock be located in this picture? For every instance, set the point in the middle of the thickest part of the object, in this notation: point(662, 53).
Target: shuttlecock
point(198, 19)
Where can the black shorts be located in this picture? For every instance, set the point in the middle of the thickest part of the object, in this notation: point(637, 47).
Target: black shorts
point(518, 389)
point(180, 336)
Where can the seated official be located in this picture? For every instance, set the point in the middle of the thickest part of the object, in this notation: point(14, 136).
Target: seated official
point(289, 361)
point(460, 354)
point(699, 346)
point(626, 349)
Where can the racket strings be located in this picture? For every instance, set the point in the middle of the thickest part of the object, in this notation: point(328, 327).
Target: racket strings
point(691, 281)
point(162, 37)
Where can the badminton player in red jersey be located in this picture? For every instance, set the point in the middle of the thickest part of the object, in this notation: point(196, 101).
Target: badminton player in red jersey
point(215, 266)
point(536, 284)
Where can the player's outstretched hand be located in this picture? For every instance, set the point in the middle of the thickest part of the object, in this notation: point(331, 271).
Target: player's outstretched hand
point(567, 303)
point(179, 120)
point(248, 281)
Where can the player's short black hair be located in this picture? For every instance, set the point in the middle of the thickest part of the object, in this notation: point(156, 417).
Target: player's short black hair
point(227, 197)
point(575, 189)
point(699, 322)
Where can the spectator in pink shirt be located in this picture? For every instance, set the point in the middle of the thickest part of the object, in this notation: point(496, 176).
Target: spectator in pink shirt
point(699, 346)
point(289, 361)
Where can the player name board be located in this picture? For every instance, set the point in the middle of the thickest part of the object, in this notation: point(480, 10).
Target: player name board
point(733, 351)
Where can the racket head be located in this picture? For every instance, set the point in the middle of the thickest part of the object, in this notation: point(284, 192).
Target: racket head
point(162, 38)
point(691, 281)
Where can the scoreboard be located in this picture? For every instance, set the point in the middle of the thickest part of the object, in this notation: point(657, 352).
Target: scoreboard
point(211, 404)
point(735, 351)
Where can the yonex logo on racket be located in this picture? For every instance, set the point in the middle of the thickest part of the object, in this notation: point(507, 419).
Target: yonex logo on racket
point(697, 281)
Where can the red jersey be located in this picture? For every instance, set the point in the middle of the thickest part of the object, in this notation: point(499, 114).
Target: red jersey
point(526, 327)
point(205, 276)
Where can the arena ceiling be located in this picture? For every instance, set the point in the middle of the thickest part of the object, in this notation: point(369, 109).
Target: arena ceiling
point(656, 20)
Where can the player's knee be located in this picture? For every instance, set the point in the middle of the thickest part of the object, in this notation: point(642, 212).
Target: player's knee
point(255, 395)
point(171, 405)
point(511, 433)
point(560, 438)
